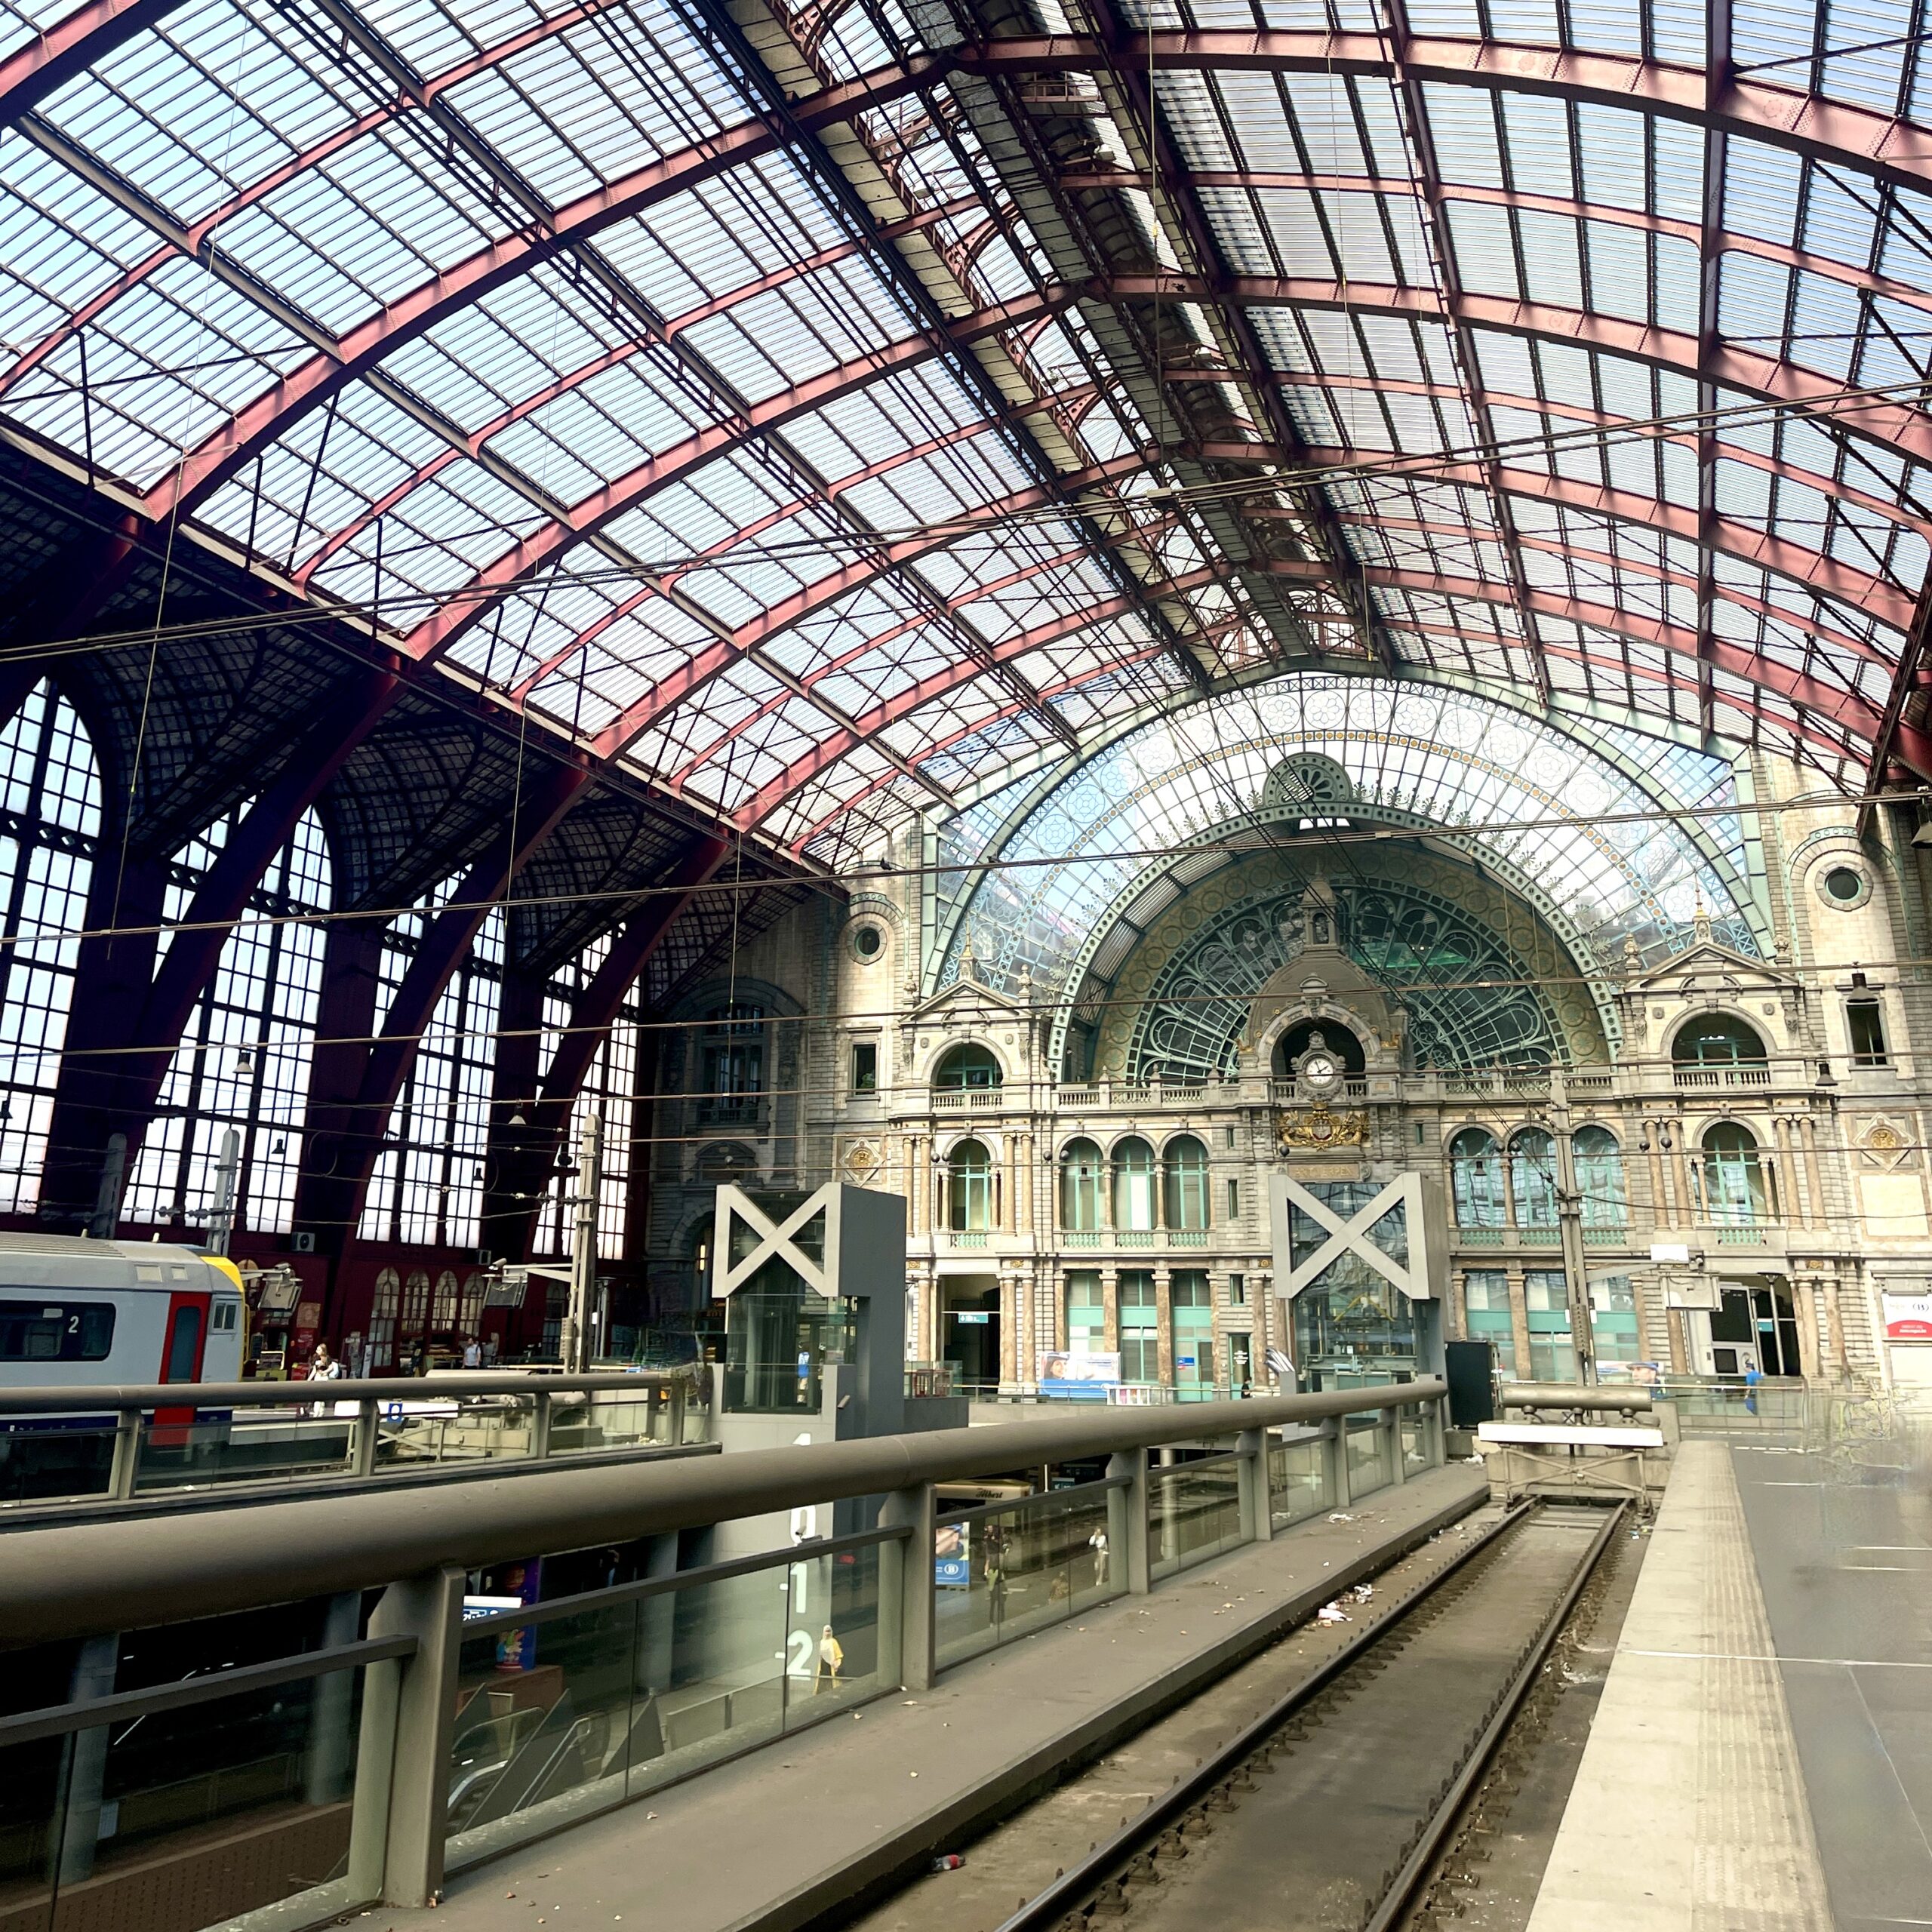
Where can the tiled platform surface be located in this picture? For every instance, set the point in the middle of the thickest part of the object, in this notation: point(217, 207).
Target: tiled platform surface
point(1844, 1550)
point(767, 1842)
point(1689, 1813)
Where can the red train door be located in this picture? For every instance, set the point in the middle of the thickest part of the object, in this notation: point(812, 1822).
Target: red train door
point(184, 1342)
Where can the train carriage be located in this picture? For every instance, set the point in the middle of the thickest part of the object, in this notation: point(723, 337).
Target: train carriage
point(75, 1313)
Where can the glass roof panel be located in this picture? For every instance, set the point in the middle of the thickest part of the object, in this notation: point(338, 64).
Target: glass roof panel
point(548, 296)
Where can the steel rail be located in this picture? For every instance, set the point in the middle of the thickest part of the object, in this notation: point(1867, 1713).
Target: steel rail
point(1441, 1822)
point(1059, 1902)
point(1047, 1908)
point(90, 1577)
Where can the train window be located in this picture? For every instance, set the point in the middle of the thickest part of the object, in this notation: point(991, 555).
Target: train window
point(184, 1346)
point(38, 1331)
point(222, 1316)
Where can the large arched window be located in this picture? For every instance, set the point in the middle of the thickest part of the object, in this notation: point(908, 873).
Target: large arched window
point(243, 1062)
point(1080, 1171)
point(50, 787)
point(1717, 1040)
point(969, 1175)
point(1475, 1177)
point(1184, 1176)
point(1133, 1184)
point(970, 1065)
point(610, 1086)
point(382, 1312)
point(428, 1181)
point(1738, 1188)
point(732, 1071)
point(1532, 1178)
point(1600, 1177)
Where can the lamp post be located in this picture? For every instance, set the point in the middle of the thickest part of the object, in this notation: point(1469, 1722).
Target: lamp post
point(1570, 1227)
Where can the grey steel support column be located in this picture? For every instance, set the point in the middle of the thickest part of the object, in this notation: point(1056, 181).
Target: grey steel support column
point(916, 1510)
point(126, 1464)
point(657, 1621)
point(375, 1778)
point(1257, 1504)
point(368, 1423)
point(1338, 1463)
point(1128, 1535)
point(428, 1608)
point(325, 1776)
point(1390, 1429)
point(539, 1426)
point(87, 1761)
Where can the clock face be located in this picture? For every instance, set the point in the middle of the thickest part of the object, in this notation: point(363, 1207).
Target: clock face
point(1318, 1068)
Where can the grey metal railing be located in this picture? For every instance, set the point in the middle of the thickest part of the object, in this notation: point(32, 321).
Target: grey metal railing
point(75, 1448)
point(367, 1769)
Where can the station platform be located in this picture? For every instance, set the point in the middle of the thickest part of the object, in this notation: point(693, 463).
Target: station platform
point(1762, 1759)
point(772, 1841)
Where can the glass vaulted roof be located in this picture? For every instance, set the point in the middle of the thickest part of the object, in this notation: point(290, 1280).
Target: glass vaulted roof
point(820, 410)
point(1618, 838)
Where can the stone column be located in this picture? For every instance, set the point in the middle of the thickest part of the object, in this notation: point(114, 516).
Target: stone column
point(1686, 1192)
point(1164, 1314)
point(1790, 1195)
point(1662, 1209)
point(1011, 1313)
point(1804, 1308)
point(1814, 1179)
point(1110, 1309)
point(1837, 1364)
point(1519, 1321)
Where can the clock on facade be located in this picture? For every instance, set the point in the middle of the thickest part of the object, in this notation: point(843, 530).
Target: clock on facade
point(1318, 1069)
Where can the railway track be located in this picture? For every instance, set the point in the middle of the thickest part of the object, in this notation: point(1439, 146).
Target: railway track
point(1330, 1811)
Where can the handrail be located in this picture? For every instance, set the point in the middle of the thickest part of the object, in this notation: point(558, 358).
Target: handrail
point(123, 1707)
point(84, 1578)
point(1556, 1395)
point(101, 1396)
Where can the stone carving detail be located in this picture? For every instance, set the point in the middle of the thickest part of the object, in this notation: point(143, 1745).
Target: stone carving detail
point(1884, 1149)
point(1319, 1127)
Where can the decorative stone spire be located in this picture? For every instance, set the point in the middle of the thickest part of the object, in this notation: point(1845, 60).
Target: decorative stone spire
point(1700, 921)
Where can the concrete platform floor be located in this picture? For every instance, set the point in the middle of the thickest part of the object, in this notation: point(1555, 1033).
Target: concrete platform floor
point(768, 1842)
point(1843, 1556)
point(1689, 1812)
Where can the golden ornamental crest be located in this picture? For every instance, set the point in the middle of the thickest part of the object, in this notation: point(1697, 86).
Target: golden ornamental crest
point(1320, 1127)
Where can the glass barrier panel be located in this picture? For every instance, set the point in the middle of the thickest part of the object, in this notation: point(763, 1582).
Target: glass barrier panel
point(546, 1714)
point(1195, 1513)
point(186, 1818)
point(1415, 1439)
point(33, 1785)
point(1298, 1485)
point(42, 1462)
point(998, 1575)
point(280, 1445)
point(565, 1717)
point(832, 1659)
point(1368, 1463)
point(423, 1428)
point(606, 1418)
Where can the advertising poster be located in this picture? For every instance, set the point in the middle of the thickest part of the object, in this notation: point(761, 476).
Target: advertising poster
point(1083, 1377)
point(953, 1556)
point(1908, 1318)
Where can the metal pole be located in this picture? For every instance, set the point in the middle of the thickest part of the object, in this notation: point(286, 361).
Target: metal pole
point(107, 1199)
point(576, 1339)
point(1569, 1224)
point(227, 1172)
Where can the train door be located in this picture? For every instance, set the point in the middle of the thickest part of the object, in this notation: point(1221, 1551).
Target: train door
point(184, 1342)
